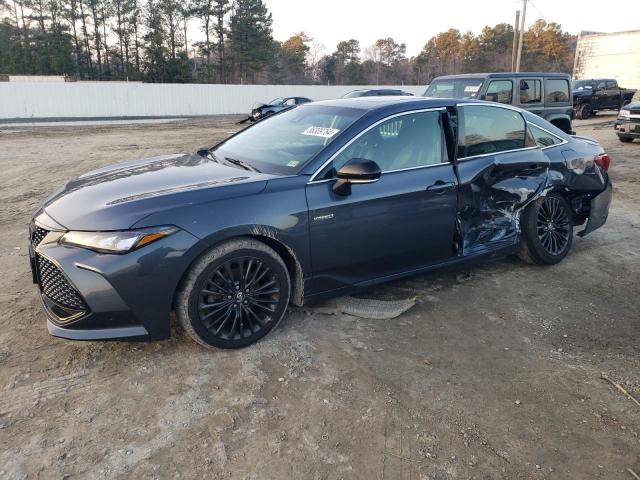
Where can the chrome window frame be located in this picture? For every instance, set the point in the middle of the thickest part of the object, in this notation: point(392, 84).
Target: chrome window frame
point(346, 145)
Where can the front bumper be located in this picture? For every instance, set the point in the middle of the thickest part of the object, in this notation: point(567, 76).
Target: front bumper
point(91, 296)
point(627, 127)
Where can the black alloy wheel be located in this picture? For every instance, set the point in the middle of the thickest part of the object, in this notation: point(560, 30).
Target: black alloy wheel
point(238, 298)
point(234, 294)
point(553, 226)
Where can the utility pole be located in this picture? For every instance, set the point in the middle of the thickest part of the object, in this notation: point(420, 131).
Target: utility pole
point(524, 13)
point(514, 48)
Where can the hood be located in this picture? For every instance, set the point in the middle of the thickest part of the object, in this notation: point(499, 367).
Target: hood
point(583, 92)
point(116, 197)
point(632, 106)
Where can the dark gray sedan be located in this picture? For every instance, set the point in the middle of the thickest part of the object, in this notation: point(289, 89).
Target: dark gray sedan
point(315, 201)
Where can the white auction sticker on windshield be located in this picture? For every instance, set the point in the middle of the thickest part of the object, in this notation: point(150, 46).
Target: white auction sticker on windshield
point(472, 88)
point(324, 132)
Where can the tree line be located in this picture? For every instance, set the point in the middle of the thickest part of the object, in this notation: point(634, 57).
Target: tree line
point(152, 41)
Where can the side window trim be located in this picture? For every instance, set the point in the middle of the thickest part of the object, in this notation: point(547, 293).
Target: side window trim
point(362, 132)
point(493, 105)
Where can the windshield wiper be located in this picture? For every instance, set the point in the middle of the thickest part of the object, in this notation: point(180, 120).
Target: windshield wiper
point(242, 164)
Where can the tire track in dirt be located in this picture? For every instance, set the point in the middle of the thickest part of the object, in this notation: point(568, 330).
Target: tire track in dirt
point(14, 399)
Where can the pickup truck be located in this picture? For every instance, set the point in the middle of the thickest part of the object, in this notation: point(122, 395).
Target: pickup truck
point(543, 93)
point(589, 96)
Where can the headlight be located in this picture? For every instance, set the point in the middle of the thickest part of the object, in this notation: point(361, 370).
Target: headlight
point(116, 242)
point(624, 114)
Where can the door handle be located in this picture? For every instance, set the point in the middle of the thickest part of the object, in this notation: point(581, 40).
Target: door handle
point(440, 186)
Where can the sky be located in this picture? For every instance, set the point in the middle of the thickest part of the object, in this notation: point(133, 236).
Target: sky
point(413, 22)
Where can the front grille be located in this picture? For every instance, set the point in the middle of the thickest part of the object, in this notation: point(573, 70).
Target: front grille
point(56, 286)
point(37, 235)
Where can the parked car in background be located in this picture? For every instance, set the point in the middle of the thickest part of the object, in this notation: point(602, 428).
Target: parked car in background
point(377, 92)
point(589, 96)
point(261, 110)
point(627, 126)
point(312, 202)
point(545, 94)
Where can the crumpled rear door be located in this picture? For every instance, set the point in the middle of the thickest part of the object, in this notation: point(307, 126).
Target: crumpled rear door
point(499, 175)
point(493, 191)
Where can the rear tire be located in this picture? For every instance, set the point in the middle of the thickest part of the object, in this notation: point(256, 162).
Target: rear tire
point(234, 295)
point(546, 231)
point(584, 111)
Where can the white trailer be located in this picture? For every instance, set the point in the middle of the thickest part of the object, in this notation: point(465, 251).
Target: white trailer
point(609, 55)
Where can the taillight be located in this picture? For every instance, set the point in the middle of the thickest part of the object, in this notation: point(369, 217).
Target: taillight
point(603, 160)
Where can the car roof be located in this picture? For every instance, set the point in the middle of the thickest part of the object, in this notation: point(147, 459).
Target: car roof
point(504, 75)
point(379, 102)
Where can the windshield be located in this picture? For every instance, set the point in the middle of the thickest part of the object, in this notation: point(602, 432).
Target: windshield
point(582, 85)
point(283, 143)
point(356, 93)
point(276, 101)
point(454, 88)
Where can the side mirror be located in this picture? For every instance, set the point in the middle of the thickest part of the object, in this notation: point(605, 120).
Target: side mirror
point(356, 170)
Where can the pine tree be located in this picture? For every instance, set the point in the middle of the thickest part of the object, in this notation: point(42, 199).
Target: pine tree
point(251, 43)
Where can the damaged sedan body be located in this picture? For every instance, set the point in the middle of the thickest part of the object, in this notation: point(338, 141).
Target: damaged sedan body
point(314, 202)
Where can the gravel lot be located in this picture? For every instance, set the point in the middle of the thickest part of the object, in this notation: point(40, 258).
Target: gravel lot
point(495, 373)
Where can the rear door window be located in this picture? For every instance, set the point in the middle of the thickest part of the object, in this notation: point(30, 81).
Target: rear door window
point(556, 90)
point(500, 91)
point(530, 91)
point(486, 130)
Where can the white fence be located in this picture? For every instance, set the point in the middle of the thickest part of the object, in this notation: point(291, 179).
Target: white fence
point(111, 100)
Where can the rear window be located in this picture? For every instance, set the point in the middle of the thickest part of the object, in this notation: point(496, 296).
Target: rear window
point(556, 91)
point(454, 88)
point(488, 130)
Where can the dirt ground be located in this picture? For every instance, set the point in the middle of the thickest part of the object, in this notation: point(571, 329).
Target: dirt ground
point(494, 374)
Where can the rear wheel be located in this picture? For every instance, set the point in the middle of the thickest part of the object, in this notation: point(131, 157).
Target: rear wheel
point(234, 294)
point(547, 231)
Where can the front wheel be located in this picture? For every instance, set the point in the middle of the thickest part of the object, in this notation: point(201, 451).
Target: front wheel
point(234, 294)
point(625, 139)
point(547, 231)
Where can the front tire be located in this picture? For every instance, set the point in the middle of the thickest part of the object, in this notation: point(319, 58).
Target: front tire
point(547, 231)
point(625, 139)
point(234, 295)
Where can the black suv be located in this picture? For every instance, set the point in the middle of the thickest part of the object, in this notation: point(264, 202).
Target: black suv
point(545, 94)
